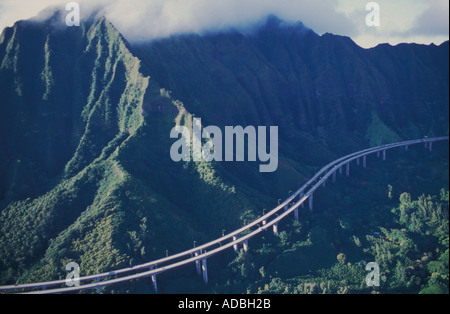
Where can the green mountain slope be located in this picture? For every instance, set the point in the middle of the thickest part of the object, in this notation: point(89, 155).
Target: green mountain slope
point(87, 174)
point(325, 86)
point(85, 118)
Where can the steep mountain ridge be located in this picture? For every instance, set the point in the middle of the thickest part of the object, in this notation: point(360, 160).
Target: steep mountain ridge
point(85, 131)
point(73, 115)
point(85, 119)
point(305, 83)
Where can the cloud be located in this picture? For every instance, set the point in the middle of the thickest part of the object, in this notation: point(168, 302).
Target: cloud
point(14, 10)
point(434, 20)
point(402, 20)
point(160, 18)
point(420, 21)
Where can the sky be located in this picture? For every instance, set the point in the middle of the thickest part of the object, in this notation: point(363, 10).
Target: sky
point(419, 21)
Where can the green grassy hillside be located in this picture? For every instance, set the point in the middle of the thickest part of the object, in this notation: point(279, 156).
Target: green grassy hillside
point(87, 171)
point(85, 119)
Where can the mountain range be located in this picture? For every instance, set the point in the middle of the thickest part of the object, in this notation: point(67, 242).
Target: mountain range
point(85, 119)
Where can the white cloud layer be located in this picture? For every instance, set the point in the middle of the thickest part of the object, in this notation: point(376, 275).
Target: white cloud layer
point(421, 21)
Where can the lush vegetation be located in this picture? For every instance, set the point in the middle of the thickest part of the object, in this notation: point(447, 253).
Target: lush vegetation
point(86, 176)
point(412, 259)
point(360, 221)
point(328, 252)
point(116, 193)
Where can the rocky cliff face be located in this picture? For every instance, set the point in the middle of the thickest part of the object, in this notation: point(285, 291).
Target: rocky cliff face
point(85, 119)
point(321, 86)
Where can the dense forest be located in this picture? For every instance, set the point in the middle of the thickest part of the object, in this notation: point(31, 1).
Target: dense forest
point(408, 236)
point(86, 175)
point(365, 219)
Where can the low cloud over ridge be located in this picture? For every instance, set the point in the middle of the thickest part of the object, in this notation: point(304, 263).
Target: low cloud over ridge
point(420, 20)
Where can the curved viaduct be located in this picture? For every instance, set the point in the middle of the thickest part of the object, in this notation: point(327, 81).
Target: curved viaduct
point(199, 255)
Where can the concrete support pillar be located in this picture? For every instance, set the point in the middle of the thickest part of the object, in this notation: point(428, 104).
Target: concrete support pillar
point(431, 146)
point(275, 229)
point(311, 202)
point(341, 170)
point(334, 177)
point(264, 222)
point(235, 247)
point(205, 270)
point(324, 184)
point(154, 282)
point(347, 171)
point(406, 148)
point(384, 155)
point(378, 154)
point(296, 214)
point(301, 194)
point(358, 162)
point(286, 208)
point(197, 264)
point(99, 290)
point(365, 162)
point(245, 246)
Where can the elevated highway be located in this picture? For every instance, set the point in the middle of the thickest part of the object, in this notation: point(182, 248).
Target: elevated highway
point(199, 255)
